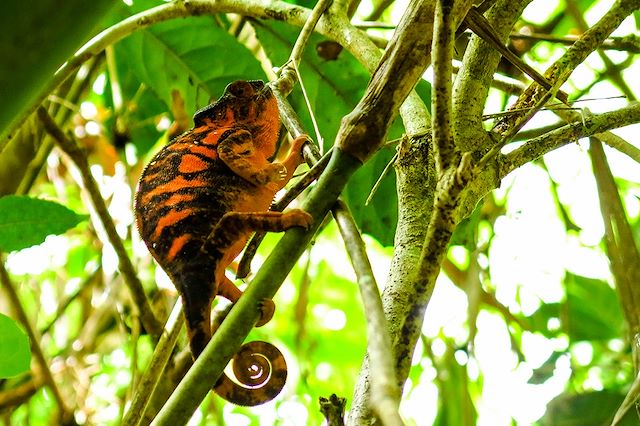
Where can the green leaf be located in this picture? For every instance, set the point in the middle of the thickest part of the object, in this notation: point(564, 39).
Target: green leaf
point(594, 309)
point(587, 409)
point(15, 355)
point(26, 221)
point(36, 40)
point(193, 56)
point(591, 311)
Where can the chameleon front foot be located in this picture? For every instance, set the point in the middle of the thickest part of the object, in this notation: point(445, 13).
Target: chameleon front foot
point(232, 293)
point(267, 309)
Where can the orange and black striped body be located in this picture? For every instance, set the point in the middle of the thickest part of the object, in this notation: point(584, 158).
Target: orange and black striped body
point(200, 198)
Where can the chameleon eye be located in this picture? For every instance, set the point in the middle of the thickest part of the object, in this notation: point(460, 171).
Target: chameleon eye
point(240, 89)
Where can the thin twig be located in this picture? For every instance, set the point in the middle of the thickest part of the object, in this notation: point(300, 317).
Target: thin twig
point(480, 26)
point(307, 30)
point(71, 148)
point(34, 338)
point(385, 393)
point(595, 124)
point(156, 367)
point(384, 174)
point(630, 43)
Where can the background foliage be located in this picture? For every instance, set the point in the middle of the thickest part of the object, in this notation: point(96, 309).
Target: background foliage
point(525, 324)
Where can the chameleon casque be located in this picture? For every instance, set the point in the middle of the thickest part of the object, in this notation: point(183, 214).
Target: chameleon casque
point(198, 201)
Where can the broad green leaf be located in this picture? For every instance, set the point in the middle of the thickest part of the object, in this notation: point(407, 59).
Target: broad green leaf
point(26, 221)
point(15, 355)
point(587, 409)
point(193, 56)
point(36, 39)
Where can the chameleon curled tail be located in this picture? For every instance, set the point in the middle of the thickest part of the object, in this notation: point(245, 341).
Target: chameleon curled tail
point(262, 372)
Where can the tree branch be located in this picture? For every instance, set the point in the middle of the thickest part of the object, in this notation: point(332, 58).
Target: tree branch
point(407, 55)
point(307, 30)
point(161, 354)
point(592, 125)
point(442, 49)
point(385, 393)
point(474, 78)
point(560, 71)
point(71, 148)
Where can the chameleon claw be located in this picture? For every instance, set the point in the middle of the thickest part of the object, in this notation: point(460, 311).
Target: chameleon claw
point(297, 217)
point(298, 143)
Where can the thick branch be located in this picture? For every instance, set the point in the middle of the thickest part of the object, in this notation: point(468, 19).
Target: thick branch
point(442, 72)
point(474, 78)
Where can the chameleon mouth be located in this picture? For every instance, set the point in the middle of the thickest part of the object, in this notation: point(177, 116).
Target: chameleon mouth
point(262, 90)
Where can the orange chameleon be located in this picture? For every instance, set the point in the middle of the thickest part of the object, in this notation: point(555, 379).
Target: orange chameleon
point(198, 201)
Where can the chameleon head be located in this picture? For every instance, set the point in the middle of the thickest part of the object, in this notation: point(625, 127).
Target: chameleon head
point(249, 104)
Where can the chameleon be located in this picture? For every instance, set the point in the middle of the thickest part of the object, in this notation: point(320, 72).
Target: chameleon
point(198, 201)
